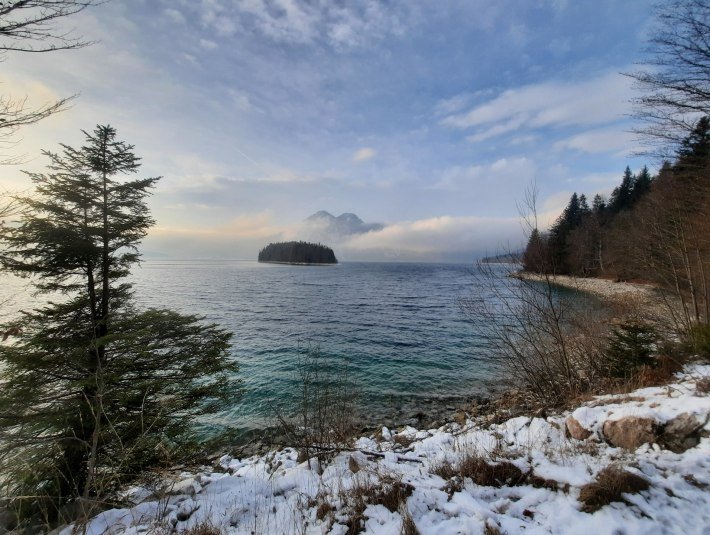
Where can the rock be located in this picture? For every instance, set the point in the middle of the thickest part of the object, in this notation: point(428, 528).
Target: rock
point(681, 433)
point(186, 509)
point(576, 430)
point(187, 486)
point(353, 465)
point(386, 435)
point(630, 432)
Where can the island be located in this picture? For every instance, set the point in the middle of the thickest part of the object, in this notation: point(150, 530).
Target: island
point(297, 252)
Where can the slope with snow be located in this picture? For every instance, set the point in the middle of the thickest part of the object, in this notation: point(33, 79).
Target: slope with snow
point(275, 494)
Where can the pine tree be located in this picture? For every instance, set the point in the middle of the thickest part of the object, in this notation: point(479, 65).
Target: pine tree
point(620, 197)
point(642, 185)
point(535, 255)
point(598, 204)
point(557, 242)
point(94, 390)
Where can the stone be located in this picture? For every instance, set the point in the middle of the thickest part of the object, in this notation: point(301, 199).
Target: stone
point(630, 432)
point(576, 430)
point(353, 465)
point(681, 433)
point(187, 486)
point(186, 509)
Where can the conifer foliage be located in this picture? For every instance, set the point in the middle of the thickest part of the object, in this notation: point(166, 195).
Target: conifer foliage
point(652, 228)
point(94, 390)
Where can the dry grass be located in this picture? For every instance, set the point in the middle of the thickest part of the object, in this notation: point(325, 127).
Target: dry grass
point(702, 386)
point(610, 486)
point(491, 475)
point(388, 491)
point(203, 528)
point(408, 525)
point(486, 474)
point(403, 440)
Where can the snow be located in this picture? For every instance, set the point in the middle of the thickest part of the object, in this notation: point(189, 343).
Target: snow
point(274, 493)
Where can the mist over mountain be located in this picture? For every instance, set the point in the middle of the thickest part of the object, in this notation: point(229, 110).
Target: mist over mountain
point(344, 225)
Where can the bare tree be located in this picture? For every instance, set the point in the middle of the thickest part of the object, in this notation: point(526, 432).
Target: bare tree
point(32, 25)
point(676, 86)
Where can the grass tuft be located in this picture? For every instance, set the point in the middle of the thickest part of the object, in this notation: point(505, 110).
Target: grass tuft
point(610, 486)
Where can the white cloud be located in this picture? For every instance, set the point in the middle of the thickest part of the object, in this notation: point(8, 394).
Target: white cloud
point(509, 173)
point(452, 105)
point(599, 140)
point(174, 15)
point(208, 44)
point(442, 237)
point(594, 101)
point(364, 154)
point(291, 21)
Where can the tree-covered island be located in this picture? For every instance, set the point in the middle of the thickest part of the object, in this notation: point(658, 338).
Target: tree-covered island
point(297, 252)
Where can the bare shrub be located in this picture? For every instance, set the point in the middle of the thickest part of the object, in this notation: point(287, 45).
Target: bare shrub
point(324, 420)
point(549, 341)
point(609, 486)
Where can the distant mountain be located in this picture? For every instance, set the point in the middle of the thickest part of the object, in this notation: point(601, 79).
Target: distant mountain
point(344, 225)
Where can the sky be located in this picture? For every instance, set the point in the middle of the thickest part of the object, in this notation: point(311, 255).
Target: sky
point(430, 118)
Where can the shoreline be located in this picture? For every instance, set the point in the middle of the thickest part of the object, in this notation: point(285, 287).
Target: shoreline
point(297, 263)
point(649, 302)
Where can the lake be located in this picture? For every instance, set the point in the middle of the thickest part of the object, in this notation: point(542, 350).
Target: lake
point(398, 328)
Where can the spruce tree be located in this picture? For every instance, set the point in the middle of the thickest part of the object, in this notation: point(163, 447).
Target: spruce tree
point(621, 196)
point(642, 185)
point(93, 390)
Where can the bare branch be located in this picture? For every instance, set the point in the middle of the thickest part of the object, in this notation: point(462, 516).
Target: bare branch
point(32, 25)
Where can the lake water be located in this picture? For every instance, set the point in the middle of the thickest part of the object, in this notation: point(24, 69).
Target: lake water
point(398, 327)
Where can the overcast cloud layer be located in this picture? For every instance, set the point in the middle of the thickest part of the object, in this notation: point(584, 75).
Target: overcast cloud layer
point(428, 117)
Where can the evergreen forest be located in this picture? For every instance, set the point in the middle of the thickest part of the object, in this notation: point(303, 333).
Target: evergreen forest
point(297, 252)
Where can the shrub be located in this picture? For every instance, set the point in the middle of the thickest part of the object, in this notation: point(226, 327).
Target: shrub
point(609, 486)
point(700, 336)
point(324, 418)
point(631, 345)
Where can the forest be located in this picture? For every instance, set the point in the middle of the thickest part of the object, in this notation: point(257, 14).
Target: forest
point(297, 252)
point(652, 229)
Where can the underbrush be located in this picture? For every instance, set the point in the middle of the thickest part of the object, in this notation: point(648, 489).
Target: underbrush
point(561, 345)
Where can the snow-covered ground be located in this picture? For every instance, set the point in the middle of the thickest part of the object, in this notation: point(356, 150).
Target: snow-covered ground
point(392, 479)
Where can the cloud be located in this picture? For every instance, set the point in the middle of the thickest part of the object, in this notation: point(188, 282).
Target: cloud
point(452, 105)
point(599, 140)
point(364, 154)
point(294, 22)
point(442, 238)
point(208, 45)
point(437, 238)
point(509, 173)
point(594, 101)
point(174, 15)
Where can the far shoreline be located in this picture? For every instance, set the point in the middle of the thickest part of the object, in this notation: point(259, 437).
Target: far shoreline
point(298, 263)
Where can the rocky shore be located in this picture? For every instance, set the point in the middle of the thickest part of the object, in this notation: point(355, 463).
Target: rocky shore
point(625, 463)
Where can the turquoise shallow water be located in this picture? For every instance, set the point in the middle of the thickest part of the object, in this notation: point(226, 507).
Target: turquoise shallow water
point(398, 327)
